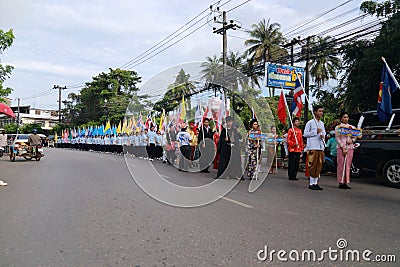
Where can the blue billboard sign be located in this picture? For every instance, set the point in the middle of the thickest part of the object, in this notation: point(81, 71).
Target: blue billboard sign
point(283, 76)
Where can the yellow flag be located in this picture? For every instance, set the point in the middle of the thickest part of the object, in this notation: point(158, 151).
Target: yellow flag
point(119, 129)
point(55, 137)
point(183, 110)
point(162, 120)
point(108, 126)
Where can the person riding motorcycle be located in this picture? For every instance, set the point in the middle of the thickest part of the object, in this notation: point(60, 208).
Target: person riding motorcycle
point(34, 141)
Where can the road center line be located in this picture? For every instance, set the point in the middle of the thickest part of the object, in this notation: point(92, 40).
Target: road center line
point(238, 202)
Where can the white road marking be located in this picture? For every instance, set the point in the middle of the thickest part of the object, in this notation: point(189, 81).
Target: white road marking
point(237, 202)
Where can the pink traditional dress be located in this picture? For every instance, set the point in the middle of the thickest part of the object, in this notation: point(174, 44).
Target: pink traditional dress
point(346, 142)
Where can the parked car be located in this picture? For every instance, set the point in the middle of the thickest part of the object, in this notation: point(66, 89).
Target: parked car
point(379, 147)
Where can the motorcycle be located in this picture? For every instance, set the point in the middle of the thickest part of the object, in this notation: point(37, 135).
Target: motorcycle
point(330, 165)
point(27, 152)
point(1, 151)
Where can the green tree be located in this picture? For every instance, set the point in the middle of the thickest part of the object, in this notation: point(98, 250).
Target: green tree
point(10, 128)
point(106, 97)
point(324, 64)
point(172, 98)
point(28, 128)
point(362, 59)
point(265, 43)
point(6, 40)
point(211, 69)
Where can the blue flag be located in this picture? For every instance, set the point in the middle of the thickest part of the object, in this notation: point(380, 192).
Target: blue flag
point(388, 86)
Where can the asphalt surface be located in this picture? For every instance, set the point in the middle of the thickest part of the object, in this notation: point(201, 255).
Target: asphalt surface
point(76, 208)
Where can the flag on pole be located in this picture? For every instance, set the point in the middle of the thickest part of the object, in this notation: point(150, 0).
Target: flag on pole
point(108, 127)
point(253, 115)
point(387, 87)
point(281, 109)
point(182, 117)
point(222, 112)
point(160, 127)
point(148, 122)
point(198, 114)
point(119, 128)
point(140, 121)
point(297, 104)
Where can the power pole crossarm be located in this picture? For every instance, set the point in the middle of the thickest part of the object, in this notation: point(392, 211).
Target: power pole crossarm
point(59, 88)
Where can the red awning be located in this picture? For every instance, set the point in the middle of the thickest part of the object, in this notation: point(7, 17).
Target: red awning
point(4, 109)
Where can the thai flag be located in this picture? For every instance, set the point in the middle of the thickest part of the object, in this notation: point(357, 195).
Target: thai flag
point(148, 121)
point(297, 104)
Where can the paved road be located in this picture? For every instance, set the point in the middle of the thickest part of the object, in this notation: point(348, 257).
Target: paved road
point(78, 208)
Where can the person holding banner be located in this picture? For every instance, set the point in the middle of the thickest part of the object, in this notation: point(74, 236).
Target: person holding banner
point(345, 149)
point(315, 134)
point(295, 147)
point(253, 148)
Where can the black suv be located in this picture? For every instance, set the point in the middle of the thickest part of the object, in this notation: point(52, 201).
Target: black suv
point(379, 147)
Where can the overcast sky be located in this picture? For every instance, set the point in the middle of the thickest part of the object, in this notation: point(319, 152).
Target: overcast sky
point(68, 42)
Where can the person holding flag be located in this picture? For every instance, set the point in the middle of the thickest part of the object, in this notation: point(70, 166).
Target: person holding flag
point(315, 134)
point(295, 147)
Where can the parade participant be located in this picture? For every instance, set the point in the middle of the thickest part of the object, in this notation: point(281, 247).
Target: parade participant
point(228, 149)
point(151, 135)
point(315, 134)
point(206, 145)
point(295, 147)
point(170, 145)
point(345, 149)
point(184, 139)
point(159, 149)
point(143, 144)
point(193, 143)
point(107, 143)
point(253, 147)
point(272, 145)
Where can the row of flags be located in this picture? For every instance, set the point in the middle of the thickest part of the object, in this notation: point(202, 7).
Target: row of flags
point(388, 86)
point(128, 126)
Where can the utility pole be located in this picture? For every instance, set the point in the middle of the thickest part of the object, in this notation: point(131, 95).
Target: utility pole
point(18, 118)
point(222, 31)
point(59, 99)
point(307, 85)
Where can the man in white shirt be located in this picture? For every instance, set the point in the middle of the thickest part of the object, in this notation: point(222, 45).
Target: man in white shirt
point(315, 134)
point(184, 139)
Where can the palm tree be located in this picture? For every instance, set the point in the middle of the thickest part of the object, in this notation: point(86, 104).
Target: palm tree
point(211, 69)
point(323, 64)
point(265, 43)
point(235, 78)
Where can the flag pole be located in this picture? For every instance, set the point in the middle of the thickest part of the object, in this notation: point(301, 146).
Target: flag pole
point(391, 73)
point(290, 118)
point(309, 106)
